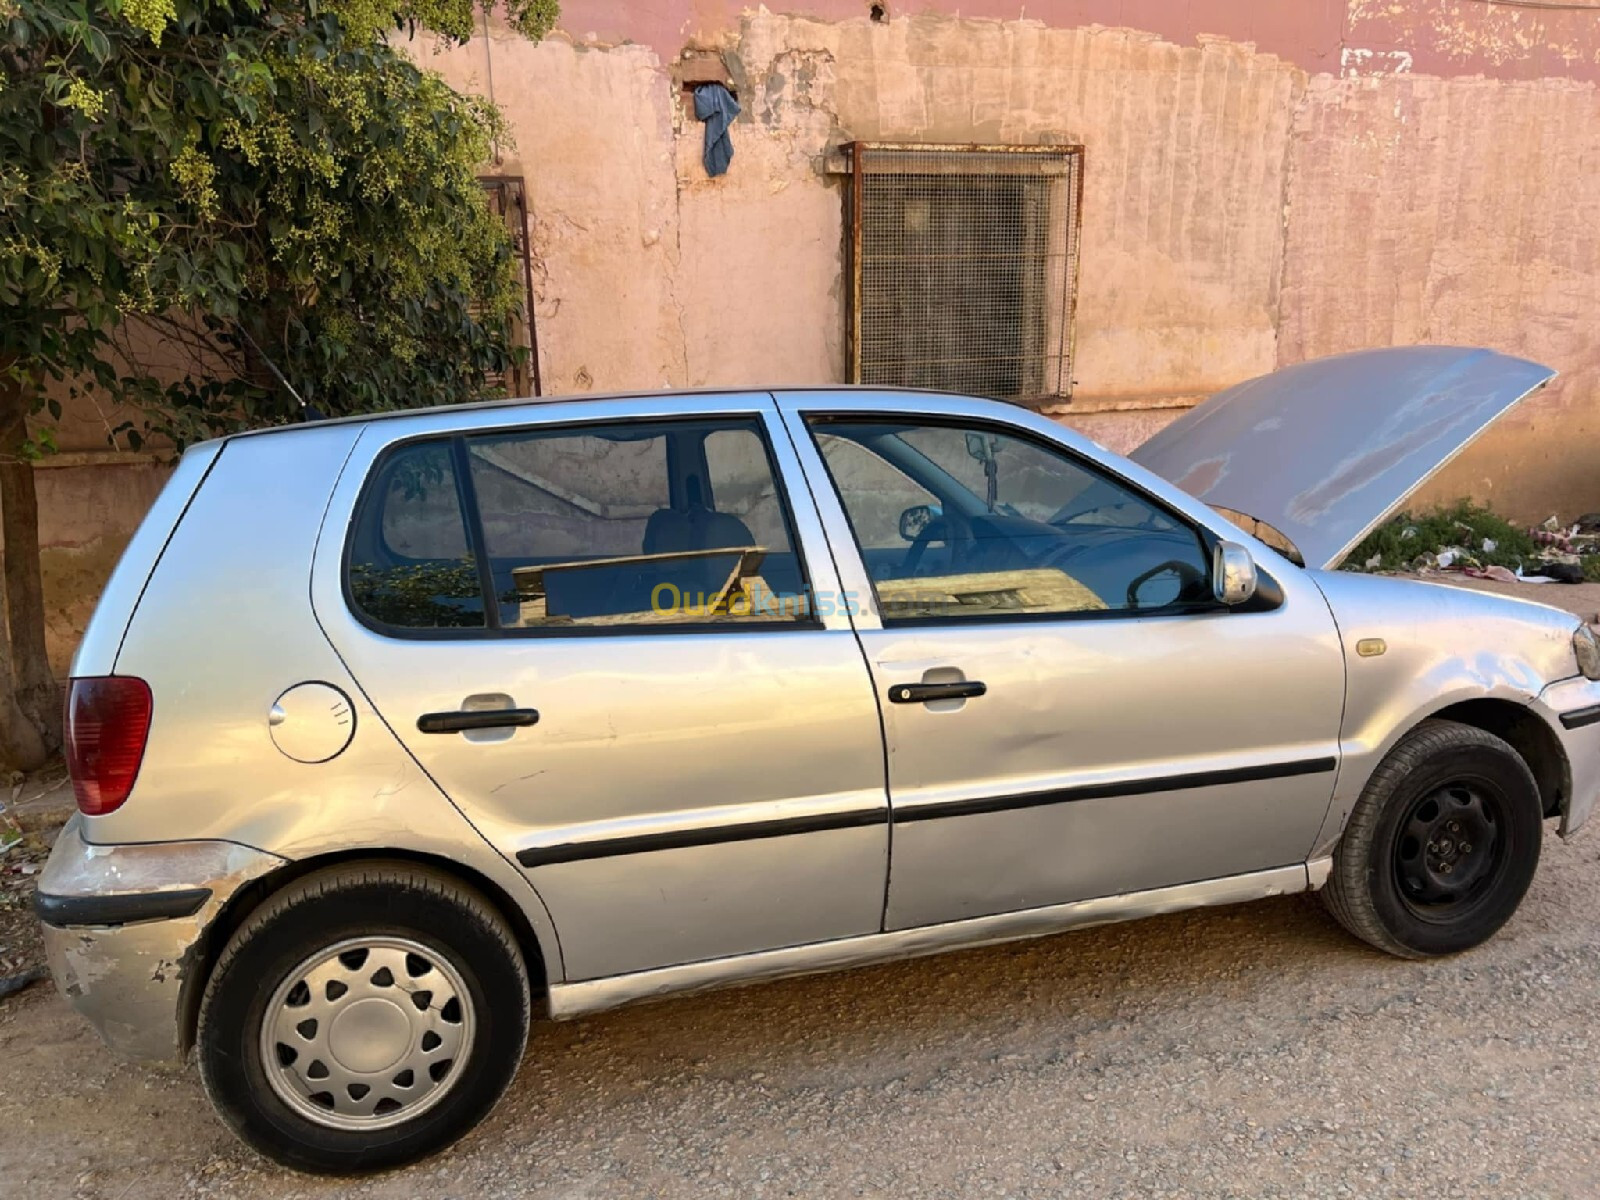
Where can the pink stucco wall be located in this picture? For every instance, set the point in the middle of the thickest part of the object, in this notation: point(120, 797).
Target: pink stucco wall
point(1265, 182)
point(1436, 37)
point(1305, 32)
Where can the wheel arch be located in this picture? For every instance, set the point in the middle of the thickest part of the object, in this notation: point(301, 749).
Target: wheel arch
point(1507, 715)
point(255, 893)
point(1526, 733)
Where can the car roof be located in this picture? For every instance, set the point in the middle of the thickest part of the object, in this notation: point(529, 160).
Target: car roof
point(598, 399)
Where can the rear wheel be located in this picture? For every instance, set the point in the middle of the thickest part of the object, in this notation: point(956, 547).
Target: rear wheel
point(1441, 846)
point(363, 1017)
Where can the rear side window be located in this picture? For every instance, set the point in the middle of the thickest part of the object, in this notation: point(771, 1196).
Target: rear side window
point(411, 564)
point(605, 527)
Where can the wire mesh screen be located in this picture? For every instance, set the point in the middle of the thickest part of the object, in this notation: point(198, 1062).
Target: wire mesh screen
point(507, 200)
point(965, 267)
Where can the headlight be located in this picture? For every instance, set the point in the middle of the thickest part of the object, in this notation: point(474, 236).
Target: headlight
point(1587, 647)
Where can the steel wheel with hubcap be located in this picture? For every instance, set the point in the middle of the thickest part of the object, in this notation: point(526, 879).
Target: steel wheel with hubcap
point(1442, 844)
point(365, 1034)
point(364, 1016)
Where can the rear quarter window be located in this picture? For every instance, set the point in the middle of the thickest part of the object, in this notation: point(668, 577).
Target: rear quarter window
point(410, 562)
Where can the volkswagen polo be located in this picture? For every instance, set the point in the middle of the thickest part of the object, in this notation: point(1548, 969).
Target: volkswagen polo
point(391, 733)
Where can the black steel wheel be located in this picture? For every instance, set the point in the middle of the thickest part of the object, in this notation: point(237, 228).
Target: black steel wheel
point(1442, 845)
point(1450, 851)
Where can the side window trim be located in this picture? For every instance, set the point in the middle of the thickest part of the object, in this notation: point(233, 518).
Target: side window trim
point(816, 420)
point(472, 518)
point(493, 628)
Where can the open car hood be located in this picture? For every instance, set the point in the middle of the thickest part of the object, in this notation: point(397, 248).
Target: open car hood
point(1324, 451)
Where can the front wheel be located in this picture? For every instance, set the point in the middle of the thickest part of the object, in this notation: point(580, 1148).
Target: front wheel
point(363, 1017)
point(1441, 846)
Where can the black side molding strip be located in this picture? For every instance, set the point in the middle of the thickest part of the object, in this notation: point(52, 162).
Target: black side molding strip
point(121, 909)
point(1579, 717)
point(1124, 787)
point(680, 839)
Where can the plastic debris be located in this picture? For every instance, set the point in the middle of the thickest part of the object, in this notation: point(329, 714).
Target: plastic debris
point(1561, 572)
point(1497, 573)
point(15, 983)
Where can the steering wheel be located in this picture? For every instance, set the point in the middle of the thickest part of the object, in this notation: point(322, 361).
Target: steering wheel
point(933, 531)
point(1188, 576)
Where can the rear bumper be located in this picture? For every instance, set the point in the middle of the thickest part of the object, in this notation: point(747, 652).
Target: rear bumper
point(124, 928)
point(1572, 709)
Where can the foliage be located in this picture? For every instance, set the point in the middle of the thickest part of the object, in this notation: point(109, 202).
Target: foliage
point(1398, 543)
point(423, 595)
point(196, 192)
point(1464, 525)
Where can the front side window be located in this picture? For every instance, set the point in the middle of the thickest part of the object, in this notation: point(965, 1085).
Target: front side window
point(1008, 526)
point(648, 524)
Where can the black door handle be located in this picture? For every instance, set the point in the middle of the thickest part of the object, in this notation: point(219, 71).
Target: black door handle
point(481, 718)
point(921, 693)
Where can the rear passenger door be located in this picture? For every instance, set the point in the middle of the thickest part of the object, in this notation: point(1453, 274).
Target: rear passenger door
point(596, 627)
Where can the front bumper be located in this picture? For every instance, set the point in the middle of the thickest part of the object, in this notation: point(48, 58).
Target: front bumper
point(1570, 708)
point(124, 928)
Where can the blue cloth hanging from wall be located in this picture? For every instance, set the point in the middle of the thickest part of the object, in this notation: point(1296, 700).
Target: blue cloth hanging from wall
point(715, 105)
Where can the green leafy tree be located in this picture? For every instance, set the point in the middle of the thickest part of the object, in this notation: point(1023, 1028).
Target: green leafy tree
point(203, 200)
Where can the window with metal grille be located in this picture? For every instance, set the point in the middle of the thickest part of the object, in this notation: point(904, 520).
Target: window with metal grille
point(508, 200)
point(964, 265)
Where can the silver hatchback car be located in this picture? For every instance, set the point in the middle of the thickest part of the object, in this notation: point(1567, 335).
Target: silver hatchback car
point(389, 733)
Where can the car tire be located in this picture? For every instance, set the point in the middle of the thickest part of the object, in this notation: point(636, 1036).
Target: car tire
point(1441, 846)
point(363, 1017)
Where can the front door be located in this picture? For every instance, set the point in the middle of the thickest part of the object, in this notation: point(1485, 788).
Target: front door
point(1069, 713)
point(599, 638)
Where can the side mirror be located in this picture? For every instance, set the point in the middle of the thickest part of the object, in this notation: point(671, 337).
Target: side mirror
point(915, 519)
point(1233, 574)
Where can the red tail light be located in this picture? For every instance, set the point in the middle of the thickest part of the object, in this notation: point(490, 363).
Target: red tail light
point(108, 720)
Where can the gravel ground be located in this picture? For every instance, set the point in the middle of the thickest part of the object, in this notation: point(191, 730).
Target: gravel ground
point(1253, 1051)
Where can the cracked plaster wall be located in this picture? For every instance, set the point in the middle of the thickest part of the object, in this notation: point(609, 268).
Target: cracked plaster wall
point(1242, 209)
point(738, 281)
point(1265, 182)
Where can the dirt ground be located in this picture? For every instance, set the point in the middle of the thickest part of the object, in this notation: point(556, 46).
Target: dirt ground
point(31, 814)
point(1253, 1051)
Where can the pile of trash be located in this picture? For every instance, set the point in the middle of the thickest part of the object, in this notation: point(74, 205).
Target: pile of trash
point(1472, 540)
